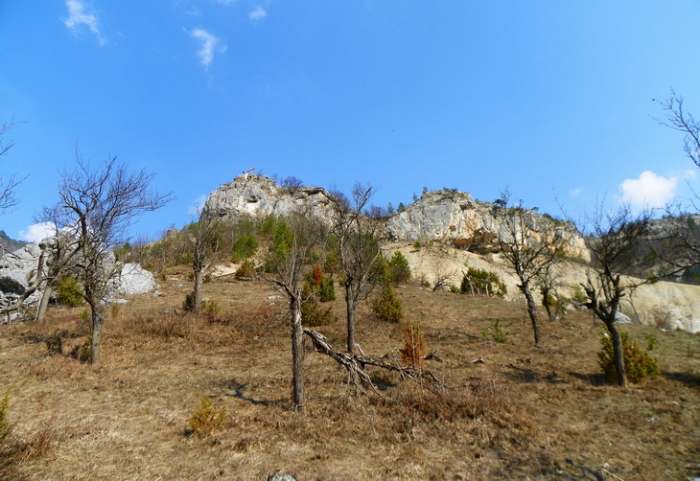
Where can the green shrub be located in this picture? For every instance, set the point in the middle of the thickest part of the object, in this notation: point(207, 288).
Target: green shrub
point(399, 271)
point(639, 364)
point(69, 292)
point(313, 314)
point(479, 281)
point(212, 311)
point(387, 306)
point(326, 289)
point(245, 270)
point(244, 247)
point(496, 333)
point(652, 342)
point(205, 419)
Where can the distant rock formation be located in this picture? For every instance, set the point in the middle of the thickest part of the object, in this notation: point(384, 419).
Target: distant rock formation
point(257, 195)
point(446, 214)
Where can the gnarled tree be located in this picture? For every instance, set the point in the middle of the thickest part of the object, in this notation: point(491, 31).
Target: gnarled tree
point(7, 184)
point(612, 240)
point(359, 250)
point(529, 245)
point(95, 206)
point(304, 238)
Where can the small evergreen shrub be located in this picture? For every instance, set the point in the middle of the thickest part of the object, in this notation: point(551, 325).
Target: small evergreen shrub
point(496, 333)
point(387, 306)
point(414, 349)
point(479, 281)
point(639, 364)
point(326, 290)
point(313, 314)
point(69, 292)
point(399, 271)
point(212, 311)
point(206, 419)
point(244, 247)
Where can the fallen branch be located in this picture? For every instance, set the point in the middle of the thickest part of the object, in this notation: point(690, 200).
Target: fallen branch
point(355, 365)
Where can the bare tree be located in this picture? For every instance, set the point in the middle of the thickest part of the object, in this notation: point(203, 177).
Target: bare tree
point(306, 235)
point(677, 118)
point(206, 233)
point(95, 206)
point(548, 281)
point(359, 250)
point(7, 184)
point(529, 245)
point(612, 240)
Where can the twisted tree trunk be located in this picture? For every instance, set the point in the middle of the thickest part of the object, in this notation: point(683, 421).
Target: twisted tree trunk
point(532, 311)
point(350, 308)
point(96, 335)
point(618, 352)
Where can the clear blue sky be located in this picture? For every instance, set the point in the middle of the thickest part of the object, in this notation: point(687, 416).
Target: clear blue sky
point(549, 98)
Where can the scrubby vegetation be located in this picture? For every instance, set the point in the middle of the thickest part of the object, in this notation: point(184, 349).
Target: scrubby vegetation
point(639, 364)
point(386, 305)
point(481, 282)
point(69, 292)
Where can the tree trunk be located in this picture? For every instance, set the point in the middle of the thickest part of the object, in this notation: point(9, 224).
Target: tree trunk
point(96, 339)
point(197, 292)
point(618, 353)
point(350, 307)
point(297, 354)
point(44, 303)
point(532, 312)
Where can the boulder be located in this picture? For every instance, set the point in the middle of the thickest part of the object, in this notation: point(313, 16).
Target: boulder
point(281, 477)
point(134, 280)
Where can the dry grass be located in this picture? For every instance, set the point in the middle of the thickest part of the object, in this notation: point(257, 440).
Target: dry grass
point(521, 414)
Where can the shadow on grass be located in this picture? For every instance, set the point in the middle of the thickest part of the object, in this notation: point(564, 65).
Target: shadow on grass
point(596, 379)
point(236, 389)
point(688, 378)
point(527, 375)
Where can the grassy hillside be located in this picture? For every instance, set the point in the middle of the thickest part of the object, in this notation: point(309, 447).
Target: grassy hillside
point(511, 412)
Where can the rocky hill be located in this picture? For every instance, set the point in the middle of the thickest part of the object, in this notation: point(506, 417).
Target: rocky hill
point(442, 215)
point(9, 244)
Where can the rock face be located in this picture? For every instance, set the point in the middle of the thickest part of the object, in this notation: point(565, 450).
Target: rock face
point(18, 272)
point(257, 195)
point(451, 215)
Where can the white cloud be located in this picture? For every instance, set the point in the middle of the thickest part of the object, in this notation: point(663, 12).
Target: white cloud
point(649, 190)
point(210, 44)
point(257, 14)
point(38, 232)
point(78, 15)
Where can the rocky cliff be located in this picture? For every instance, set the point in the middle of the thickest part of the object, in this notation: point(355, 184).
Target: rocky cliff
point(445, 215)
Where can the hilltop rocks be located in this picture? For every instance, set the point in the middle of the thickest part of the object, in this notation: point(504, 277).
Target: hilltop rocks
point(448, 214)
point(257, 195)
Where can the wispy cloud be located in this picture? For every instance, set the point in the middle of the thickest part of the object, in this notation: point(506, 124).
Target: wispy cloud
point(649, 190)
point(257, 14)
point(226, 2)
point(79, 16)
point(38, 232)
point(209, 45)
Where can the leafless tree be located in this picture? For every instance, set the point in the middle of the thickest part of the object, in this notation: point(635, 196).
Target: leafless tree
point(548, 281)
point(679, 247)
point(292, 184)
point(529, 245)
point(359, 250)
point(7, 184)
point(95, 206)
point(307, 235)
point(677, 118)
point(612, 240)
point(206, 235)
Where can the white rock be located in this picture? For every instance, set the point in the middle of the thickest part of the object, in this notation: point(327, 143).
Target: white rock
point(135, 280)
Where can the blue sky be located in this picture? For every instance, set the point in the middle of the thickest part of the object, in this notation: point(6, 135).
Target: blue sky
point(552, 99)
